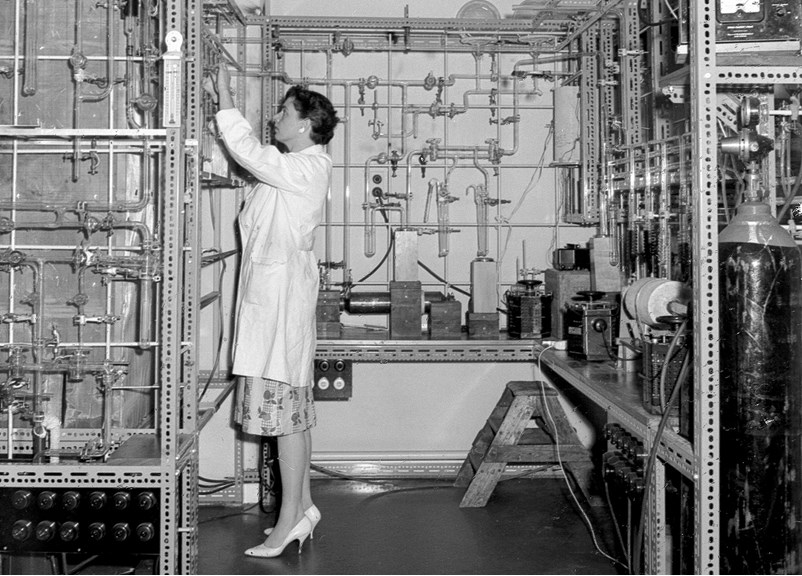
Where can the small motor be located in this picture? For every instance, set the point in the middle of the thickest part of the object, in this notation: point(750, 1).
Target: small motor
point(589, 323)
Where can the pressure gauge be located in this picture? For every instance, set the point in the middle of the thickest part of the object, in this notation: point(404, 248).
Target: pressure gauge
point(740, 10)
point(745, 6)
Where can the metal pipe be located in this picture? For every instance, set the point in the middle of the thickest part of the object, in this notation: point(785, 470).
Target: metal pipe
point(78, 75)
point(16, 59)
point(37, 354)
point(370, 234)
point(107, 409)
point(10, 433)
point(145, 311)
point(103, 94)
point(328, 205)
point(139, 228)
point(346, 186)
point(31, 47)
point(76, 344)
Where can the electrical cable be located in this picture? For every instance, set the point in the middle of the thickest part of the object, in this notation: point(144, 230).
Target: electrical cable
point(526, 473)
point(671, 9)
point(794, 191)
point(209, 485)
point(349, 478)
point(624, 547)
point(649, 468)
point(215, 366)
point(379, 265)
point(341, 476)
point(80, 566)
point(645, 21)
point(214, 480)
point(213, 484)
point(669, 356)
point(392, 491)
point(588, 523)
point(452, 286)
point(222, 516)
point(443, 280)
point(609, 351)
point(221, 318)
point(216, 490)
point(537, 174)
point(629, 531)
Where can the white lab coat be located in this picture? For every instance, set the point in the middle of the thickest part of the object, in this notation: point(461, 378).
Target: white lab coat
point(275, 334)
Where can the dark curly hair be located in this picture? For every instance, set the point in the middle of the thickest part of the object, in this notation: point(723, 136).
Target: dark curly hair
point(318, 109)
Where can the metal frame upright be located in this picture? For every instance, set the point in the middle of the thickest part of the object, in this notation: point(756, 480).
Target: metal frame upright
point(705, 280)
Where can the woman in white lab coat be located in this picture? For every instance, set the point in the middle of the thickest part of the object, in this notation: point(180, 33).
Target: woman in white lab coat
point(275, 342)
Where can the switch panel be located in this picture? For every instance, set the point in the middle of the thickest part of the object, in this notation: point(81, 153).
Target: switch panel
point(333, 379)
point(91, 520)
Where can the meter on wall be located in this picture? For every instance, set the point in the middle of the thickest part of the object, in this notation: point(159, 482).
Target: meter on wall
point(757, 20)
point(740, 10)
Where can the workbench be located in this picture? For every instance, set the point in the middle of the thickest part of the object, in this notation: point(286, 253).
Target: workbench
point(613, 390)
point(617, 392)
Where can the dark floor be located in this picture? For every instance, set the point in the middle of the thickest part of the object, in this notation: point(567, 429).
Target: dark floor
point(529, 526)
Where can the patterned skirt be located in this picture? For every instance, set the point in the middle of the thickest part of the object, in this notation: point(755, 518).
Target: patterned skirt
point(271, 408)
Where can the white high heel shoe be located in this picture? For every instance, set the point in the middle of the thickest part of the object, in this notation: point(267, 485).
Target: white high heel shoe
point(314, 517)
point(300, 532)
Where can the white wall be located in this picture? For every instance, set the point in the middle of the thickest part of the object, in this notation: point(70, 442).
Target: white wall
point(411, 408)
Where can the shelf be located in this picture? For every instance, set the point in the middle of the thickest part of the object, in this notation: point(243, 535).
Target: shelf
point(619, 394)
point(737, 75)
point(365, 345)
point(10, 131)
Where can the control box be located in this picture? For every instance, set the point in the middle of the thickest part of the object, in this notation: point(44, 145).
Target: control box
point(69, 520)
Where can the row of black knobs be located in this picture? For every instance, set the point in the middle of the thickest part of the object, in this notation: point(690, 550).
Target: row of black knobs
point(47, 530)
point(71, 500)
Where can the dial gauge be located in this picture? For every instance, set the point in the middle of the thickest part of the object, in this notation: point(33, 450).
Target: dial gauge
point(744, 6)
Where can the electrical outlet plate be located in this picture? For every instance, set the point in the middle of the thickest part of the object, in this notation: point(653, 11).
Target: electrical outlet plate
point(333, 379)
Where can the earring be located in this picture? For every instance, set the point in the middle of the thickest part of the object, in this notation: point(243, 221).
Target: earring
point(301, 130)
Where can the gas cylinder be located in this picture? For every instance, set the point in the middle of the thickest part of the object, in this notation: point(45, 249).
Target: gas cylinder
point(761, 394)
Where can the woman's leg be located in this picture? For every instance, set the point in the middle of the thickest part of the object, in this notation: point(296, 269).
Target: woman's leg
point(293, 457)
point(306, 494)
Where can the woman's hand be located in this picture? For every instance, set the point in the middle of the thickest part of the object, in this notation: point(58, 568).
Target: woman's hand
point(209, 86)
point(218, 86)
point(223, 77)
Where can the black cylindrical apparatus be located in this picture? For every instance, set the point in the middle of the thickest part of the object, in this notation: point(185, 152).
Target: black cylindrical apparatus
point(761, 407)
point(368, 303)
point(528, 310)
point(379, 302)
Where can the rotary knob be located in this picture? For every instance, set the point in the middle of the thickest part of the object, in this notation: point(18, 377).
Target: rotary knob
point(21, 530)
point(121, 500)
point(97, 531)
point(120, 531)
point(21, 499)
point(145, 532)
point(70, 500)
point(97, 500)
point(45, 530)
point(68, 531)
point(146, 500)
point(46, 500)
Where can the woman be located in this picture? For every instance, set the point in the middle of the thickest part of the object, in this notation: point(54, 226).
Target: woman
point(274, 344)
